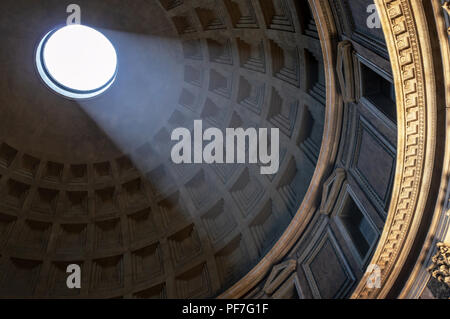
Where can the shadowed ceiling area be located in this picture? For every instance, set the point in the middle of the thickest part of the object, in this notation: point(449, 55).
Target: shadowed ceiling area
point(92, 183)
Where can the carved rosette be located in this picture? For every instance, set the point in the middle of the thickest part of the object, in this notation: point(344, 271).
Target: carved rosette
point(440, 269)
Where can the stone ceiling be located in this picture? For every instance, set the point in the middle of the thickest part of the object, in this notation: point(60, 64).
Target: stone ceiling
point(91, 182)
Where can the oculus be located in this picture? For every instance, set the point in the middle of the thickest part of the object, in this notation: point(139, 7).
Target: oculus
point(77, 61)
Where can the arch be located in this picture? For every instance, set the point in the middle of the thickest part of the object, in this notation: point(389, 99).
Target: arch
point(416, 214)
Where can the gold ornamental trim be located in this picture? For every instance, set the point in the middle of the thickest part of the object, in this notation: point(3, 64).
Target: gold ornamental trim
point(404, 26)
point(408, 41)
point(440, 269)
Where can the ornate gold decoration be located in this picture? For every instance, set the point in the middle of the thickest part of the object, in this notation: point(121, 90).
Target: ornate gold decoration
point(441, 264)
point(440, 227)
point(408, 41)
point(403, 23)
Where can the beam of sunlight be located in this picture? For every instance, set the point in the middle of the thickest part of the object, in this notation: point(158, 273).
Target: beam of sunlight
point(139, 104)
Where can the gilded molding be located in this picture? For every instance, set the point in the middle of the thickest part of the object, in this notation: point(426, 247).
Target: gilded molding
point(439, 230)
point(440, 269)
point(403, 22)
point(408, 42)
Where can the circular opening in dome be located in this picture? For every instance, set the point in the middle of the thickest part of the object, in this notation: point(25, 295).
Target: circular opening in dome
point(77, 61)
